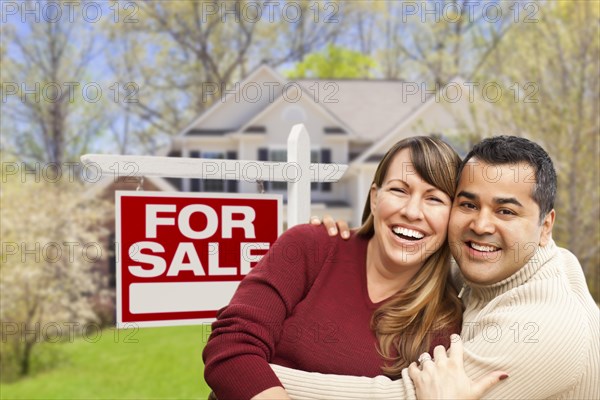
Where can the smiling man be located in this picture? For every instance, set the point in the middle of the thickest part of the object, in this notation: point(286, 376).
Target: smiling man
point(501, 214)
point(528, 310)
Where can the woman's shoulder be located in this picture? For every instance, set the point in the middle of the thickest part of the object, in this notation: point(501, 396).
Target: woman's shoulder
point(319, 234)
point(309, 232)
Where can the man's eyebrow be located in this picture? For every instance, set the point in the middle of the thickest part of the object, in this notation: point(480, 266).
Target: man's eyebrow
point(468, 195)
point(507, 200)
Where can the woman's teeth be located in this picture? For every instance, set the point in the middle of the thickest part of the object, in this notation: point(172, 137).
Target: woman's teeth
point(408, 233)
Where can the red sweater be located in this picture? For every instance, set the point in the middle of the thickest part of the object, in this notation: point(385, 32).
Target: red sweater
point(305, 305)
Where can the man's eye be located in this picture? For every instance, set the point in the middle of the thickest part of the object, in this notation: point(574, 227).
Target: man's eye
point(505, 211)
point(468, 205)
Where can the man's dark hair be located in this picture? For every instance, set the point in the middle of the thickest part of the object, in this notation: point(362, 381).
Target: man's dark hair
point(502, 150)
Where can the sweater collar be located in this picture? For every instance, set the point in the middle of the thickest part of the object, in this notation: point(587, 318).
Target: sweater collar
point(488, 292)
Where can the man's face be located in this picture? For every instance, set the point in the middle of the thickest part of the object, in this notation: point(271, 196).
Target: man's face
point(494, 224)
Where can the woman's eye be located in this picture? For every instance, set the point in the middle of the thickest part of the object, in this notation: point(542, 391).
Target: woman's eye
point(398, 190)
point(436, 199)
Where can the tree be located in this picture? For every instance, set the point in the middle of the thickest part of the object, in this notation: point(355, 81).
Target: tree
point(548, 75)
point(197, 44)
point(52, 241)
point(53, 118)
point(437, 40)
point(334, 63)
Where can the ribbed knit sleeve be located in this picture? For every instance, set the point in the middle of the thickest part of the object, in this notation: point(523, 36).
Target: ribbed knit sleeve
point(245, 333)
point(540, 325)
point(302, 385)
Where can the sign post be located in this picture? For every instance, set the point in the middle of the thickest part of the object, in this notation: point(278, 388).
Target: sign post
point(183, 255)
point(180, 256)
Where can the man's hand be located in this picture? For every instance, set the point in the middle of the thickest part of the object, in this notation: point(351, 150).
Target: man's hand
point(332, 226)
point(444, 377)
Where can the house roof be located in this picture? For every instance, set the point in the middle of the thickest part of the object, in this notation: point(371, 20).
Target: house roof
point(341, 126)
point(366, 109)
point(371, 108)
point(230, 97)
point(381, 145)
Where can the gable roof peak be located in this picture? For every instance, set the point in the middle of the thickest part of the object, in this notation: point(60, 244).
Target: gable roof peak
point(253, 76)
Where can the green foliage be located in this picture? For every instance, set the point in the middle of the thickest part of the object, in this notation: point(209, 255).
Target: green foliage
point(156, 363)
point(549, 75)
point(334, 63)
point(42, 281)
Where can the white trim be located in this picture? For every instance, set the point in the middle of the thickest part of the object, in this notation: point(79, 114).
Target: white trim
point(328, 114)
point(217, 104)
point(105, 182)
point(183, 167)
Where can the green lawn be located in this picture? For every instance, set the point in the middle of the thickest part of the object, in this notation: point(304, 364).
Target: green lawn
point(149, 363)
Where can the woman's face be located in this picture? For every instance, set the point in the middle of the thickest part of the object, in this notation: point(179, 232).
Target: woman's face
point(410, 216)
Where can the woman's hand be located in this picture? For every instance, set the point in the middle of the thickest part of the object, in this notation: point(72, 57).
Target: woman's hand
point(274, 393)
point(444, 377)
point(332, 226)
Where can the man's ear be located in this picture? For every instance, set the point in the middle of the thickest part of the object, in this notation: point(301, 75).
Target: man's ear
point(373, 196)
point(547, 225)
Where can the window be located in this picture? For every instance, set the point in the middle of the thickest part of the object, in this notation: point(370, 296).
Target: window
point(280, 155)
point(213, 185)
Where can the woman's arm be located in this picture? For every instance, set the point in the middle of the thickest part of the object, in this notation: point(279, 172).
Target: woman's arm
point(245, 334)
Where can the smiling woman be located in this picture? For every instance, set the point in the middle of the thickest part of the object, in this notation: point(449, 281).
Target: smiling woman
point(362, 306)
point(406, 215)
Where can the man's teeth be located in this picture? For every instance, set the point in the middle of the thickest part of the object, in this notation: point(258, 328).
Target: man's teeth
point(484, 248)
point(407, 232)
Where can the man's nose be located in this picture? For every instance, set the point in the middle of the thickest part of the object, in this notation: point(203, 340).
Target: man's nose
point(482, 223)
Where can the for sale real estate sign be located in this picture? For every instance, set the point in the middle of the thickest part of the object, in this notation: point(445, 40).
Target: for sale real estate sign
point(181, 256)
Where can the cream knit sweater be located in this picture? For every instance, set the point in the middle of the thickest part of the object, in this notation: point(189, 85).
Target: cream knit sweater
point(540, 325)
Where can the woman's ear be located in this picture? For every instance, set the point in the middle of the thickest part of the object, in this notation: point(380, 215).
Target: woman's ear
point(373, 196)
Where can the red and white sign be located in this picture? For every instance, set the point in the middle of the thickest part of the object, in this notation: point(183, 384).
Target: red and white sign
point(181, 256)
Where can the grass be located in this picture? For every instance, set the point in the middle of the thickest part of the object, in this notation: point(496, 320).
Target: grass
point(149, 363)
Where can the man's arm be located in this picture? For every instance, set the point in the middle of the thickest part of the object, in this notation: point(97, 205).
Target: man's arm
point(541, 353)
point(312, 385)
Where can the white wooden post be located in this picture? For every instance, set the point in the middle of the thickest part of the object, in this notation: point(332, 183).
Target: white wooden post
point(298, 155)
point(298, 171)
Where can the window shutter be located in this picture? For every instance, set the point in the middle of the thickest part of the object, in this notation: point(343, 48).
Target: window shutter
point(195, 183)
point(263, 155)
point(231, 186)
point(326, 159)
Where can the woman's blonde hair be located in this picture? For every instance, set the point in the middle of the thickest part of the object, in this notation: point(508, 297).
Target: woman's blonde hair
point(405, 323)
